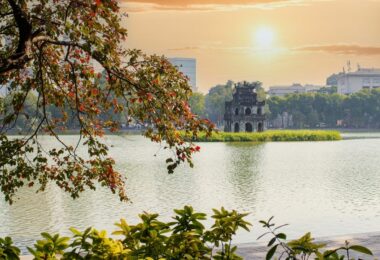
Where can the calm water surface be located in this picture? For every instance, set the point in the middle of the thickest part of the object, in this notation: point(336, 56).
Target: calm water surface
point(328, 188)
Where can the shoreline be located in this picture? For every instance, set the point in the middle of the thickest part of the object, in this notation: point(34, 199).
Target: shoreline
point(266, 136)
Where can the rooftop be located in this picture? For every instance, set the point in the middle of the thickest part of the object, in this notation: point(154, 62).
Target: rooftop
point(365, 71)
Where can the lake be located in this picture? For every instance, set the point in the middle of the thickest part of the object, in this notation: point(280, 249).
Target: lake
point(327, 188)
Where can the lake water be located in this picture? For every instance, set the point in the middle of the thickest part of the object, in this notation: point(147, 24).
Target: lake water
point(328, 188)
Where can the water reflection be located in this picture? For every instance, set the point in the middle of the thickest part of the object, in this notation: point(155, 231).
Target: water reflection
point(243, 172)
point(329, 188)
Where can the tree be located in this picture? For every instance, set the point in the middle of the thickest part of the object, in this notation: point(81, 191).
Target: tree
point(197, 103)
point(50, 48)
point(215, 101)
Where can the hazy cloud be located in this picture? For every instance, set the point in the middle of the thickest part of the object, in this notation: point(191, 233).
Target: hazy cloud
point(213, 48)
point(341, 49)
point(208, 5)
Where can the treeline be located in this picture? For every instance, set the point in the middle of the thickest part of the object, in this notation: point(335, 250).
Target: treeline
point(324, 109)
point(32, 112)
point(311, 110)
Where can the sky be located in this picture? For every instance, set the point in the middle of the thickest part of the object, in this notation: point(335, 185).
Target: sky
point(277, 42)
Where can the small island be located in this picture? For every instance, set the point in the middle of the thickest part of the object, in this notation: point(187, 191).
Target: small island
point(245, 121)
point(268, 136)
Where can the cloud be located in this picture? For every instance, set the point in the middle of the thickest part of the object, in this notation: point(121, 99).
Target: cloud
point(213, 48)
point(341, 49)
point(229, 49)
point(208, 5)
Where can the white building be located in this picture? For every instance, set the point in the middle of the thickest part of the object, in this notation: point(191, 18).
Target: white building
point(187, 66)
point(292, 89)
point(351, 82)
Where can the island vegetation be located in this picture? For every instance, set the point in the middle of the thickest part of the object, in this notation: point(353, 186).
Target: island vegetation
point(267, 136)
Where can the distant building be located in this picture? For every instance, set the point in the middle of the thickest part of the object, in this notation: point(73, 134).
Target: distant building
point(310, 88)
point(187, 66)
point(332, 80)
point(245, 113)
point(293, 89)
point(351, 82)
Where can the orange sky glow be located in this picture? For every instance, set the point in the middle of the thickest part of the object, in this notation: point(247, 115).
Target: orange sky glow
point(277, 42)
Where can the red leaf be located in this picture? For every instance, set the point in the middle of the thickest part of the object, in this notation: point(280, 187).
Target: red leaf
point(94, 92)
point(71, 94)
point(149, 96)
point(82, 107)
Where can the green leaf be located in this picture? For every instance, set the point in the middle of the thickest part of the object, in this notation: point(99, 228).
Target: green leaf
point(271, 242)
point(169, 160)
point(271, 252)
point(75, 231)
point(361, 249)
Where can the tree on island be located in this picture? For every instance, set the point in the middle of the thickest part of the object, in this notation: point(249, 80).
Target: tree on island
point(51, 49)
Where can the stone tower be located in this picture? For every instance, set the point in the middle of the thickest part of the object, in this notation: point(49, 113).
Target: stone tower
point(245, 113)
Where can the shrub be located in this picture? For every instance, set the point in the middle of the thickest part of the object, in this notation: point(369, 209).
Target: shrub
point(267, 136)
point(183, 238)
point(7, 250)
point(305, 247)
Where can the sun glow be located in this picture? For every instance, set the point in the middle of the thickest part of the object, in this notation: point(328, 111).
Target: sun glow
point(264, 38)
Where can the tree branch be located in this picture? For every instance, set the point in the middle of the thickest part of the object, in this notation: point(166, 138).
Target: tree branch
point(23, 53)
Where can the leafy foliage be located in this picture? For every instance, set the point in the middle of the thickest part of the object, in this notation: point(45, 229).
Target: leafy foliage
point(358, 110)
point(52, 49)
point(49, 247)
point(215, 101)
point(7, 250)
point(197, 104)
point(184, 238)
point(304, 247)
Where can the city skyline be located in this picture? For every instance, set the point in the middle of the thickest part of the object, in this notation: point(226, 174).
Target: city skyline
point(276, 42)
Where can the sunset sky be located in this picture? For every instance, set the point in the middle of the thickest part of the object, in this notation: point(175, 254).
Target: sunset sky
point(276, 42)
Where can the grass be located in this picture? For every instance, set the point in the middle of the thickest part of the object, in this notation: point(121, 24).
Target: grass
point(269, 136)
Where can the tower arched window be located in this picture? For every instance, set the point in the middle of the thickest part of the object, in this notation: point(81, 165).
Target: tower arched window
point(236, 128)
point(248, 128)
point(236, 111)
point(248, 111)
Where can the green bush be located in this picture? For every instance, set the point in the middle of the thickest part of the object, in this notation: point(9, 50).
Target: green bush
point(305, 247)
point(183, 238)
point(267, 136)
point(7, 250)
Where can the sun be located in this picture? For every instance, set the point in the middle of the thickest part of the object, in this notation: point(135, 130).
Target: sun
point(264, 37)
